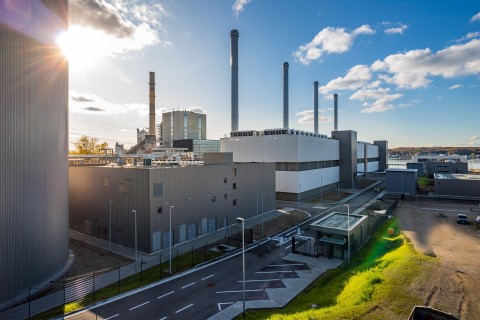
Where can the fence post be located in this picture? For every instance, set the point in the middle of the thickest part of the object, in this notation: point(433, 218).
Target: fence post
point(141, 272)
point(192, 255)
point(93, 286)
point(177, 258)
point(64, 295)
point(205, 254)
point(29, 290)
point(119, 279)
point(293, 244)
point(160, 266)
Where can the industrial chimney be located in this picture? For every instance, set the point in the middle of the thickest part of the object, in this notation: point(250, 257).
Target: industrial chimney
point(335, 112)
point(234, 72)
point(315, 106)
point(285, 95)
point(151, 122)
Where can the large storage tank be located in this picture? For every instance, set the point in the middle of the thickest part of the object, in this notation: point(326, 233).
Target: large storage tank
point(33, 144)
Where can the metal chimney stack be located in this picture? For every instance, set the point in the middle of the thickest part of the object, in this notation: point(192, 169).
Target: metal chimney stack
point(151, 122)
point(315, 106)
point(335, 112)
point(285, 95)
point(234, 72)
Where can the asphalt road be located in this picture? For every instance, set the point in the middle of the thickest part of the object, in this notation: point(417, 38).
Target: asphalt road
point(203, 293)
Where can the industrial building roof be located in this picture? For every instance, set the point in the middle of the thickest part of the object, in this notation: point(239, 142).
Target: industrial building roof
point(401, 170)
point(456, 176)
point(338, 220)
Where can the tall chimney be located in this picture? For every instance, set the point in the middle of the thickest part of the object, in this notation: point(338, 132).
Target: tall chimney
point(234, 72)
point(315, 106)
point(151, 122)
point(285, 95)
point(335, 112)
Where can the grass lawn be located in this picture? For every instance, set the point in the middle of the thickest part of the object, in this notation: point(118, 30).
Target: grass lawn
point(381, 283)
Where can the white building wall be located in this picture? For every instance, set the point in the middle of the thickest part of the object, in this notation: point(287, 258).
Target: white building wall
point(360, 168)
point(372, 166)
point(360, 151)
point(372, 151)
point(290, 181)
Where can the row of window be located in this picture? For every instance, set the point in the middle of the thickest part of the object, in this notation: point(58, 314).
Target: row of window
point(304, 166)
point(362, 160)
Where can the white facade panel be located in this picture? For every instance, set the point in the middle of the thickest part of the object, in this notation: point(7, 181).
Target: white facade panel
point(295, 181)
point(360, 168)
point(372, 151)
point(372, 166)
point(360, 150)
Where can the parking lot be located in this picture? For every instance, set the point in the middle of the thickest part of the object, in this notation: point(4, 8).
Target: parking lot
point(431, 226)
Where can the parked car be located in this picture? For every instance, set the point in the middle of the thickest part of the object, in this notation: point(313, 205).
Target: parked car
point(461, 218)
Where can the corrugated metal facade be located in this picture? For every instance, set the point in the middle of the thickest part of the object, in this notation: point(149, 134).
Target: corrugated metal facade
point(214, 193)
point(33, 144)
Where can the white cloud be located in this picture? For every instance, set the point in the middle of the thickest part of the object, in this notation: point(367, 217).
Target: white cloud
point(376, 100)
point(474, 138)
point(455, 86)
point(307, 117)
point(330, 40)
point(475, 17)
point(356, 77)
point(197, 110)
point(412, 69)
point(239, 6)
point(397, 30)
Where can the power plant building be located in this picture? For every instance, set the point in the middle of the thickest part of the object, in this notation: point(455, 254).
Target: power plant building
point(202, 199)
point(34, 145)
point(180, 125)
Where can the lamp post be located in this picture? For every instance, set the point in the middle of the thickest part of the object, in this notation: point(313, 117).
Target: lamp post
point(299, 195)
point(171, 239)
point(263, 194)
point(348, 230)
point(110, 227)
point(242, 221)
point(321, 189)
point(257, 201)
point(135, 215)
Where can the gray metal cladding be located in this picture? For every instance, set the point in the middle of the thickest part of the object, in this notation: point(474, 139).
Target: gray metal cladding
point(33, 146)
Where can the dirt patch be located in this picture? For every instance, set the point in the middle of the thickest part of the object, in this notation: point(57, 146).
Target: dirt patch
point(452, 285)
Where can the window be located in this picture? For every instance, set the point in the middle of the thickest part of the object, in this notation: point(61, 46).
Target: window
point(234, 202)
point(234, 171)
point(159, 210)
point(213, 198)
point(225, 196)
point(185, 125)
point(225, 180)
point(158, 189)
point(234, 186)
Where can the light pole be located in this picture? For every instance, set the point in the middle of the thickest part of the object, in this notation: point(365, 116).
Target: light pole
point(348, 230)
point(262, 211)
point(299, 195)
point(242, 221)
point(257, 201)
point(110, 227)
point(171, 239)
point(321, 189)
point(135, 214)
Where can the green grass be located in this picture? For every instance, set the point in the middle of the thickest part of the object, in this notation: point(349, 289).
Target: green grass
point(374, 286)
point(148, 276)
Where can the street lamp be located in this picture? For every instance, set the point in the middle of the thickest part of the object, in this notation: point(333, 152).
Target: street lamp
point(242, 221)
point(135, 214)
point(110, 227)
point(348, 230)
point(257, 201)
point(262, 211)
point(299, 195)
point(321, 189)
point(171, 239)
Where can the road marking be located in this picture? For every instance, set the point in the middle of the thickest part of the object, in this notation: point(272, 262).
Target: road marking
point(285, 265)
point(280, 271)
point(184, 308)
point(220, 305)
point(163, 318)
point(207, 277)
point(166, 294)
point(139, 306)
point(112, 316)
point(265, 280)
point(188, 285)
point(235, 291)
point(447, 210)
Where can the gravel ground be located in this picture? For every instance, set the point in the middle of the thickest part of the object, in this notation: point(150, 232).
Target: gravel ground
point(454, 284)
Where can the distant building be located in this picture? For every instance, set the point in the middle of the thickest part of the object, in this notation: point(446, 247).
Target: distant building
point(457, 185)
point(205, 198)
point(434, 167)
point(180, 125)
point(439, 158)
point(198, 146)
point(401, 181)
point(141, 133)
point(420, 166)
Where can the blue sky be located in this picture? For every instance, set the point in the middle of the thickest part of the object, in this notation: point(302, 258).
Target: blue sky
point(405, 71)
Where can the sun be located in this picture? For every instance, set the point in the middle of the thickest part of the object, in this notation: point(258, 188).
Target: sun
point(82, 47)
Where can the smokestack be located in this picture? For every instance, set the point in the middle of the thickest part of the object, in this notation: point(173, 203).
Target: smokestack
point(234, 72)
point(285, 95)
point(335, 112)
point(315, 106)
point(151, 122)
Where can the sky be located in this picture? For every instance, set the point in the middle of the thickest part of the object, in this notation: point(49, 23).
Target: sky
point(405, 71)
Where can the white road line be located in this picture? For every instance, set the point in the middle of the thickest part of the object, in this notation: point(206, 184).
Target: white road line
point(163, 318)
point(285, 265)
point(235, 291)
point(166, 294)
point(184, 308)
point(220, 305)
point(188, 285)
point(265, 280)
point(112, 316)
point(207, 277)
point(285, 271)
point(139, 306)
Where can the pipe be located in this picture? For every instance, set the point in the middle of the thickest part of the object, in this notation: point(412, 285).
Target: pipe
point(315, 106)
point(285, 95)
point(335, 112)
point(234, 72)
point(151, 124)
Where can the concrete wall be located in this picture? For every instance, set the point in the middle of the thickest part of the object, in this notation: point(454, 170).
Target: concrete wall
point(33, 145)
point(198, 194)
point(401, 181)
point(420, 166)
point(432, 167)
point(459, 185)
point(382, 154)
point(348, 157)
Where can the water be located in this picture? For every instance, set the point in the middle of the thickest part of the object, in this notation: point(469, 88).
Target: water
point(395, 163)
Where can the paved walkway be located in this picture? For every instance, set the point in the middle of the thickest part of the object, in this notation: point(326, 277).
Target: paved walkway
point(279, 297)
